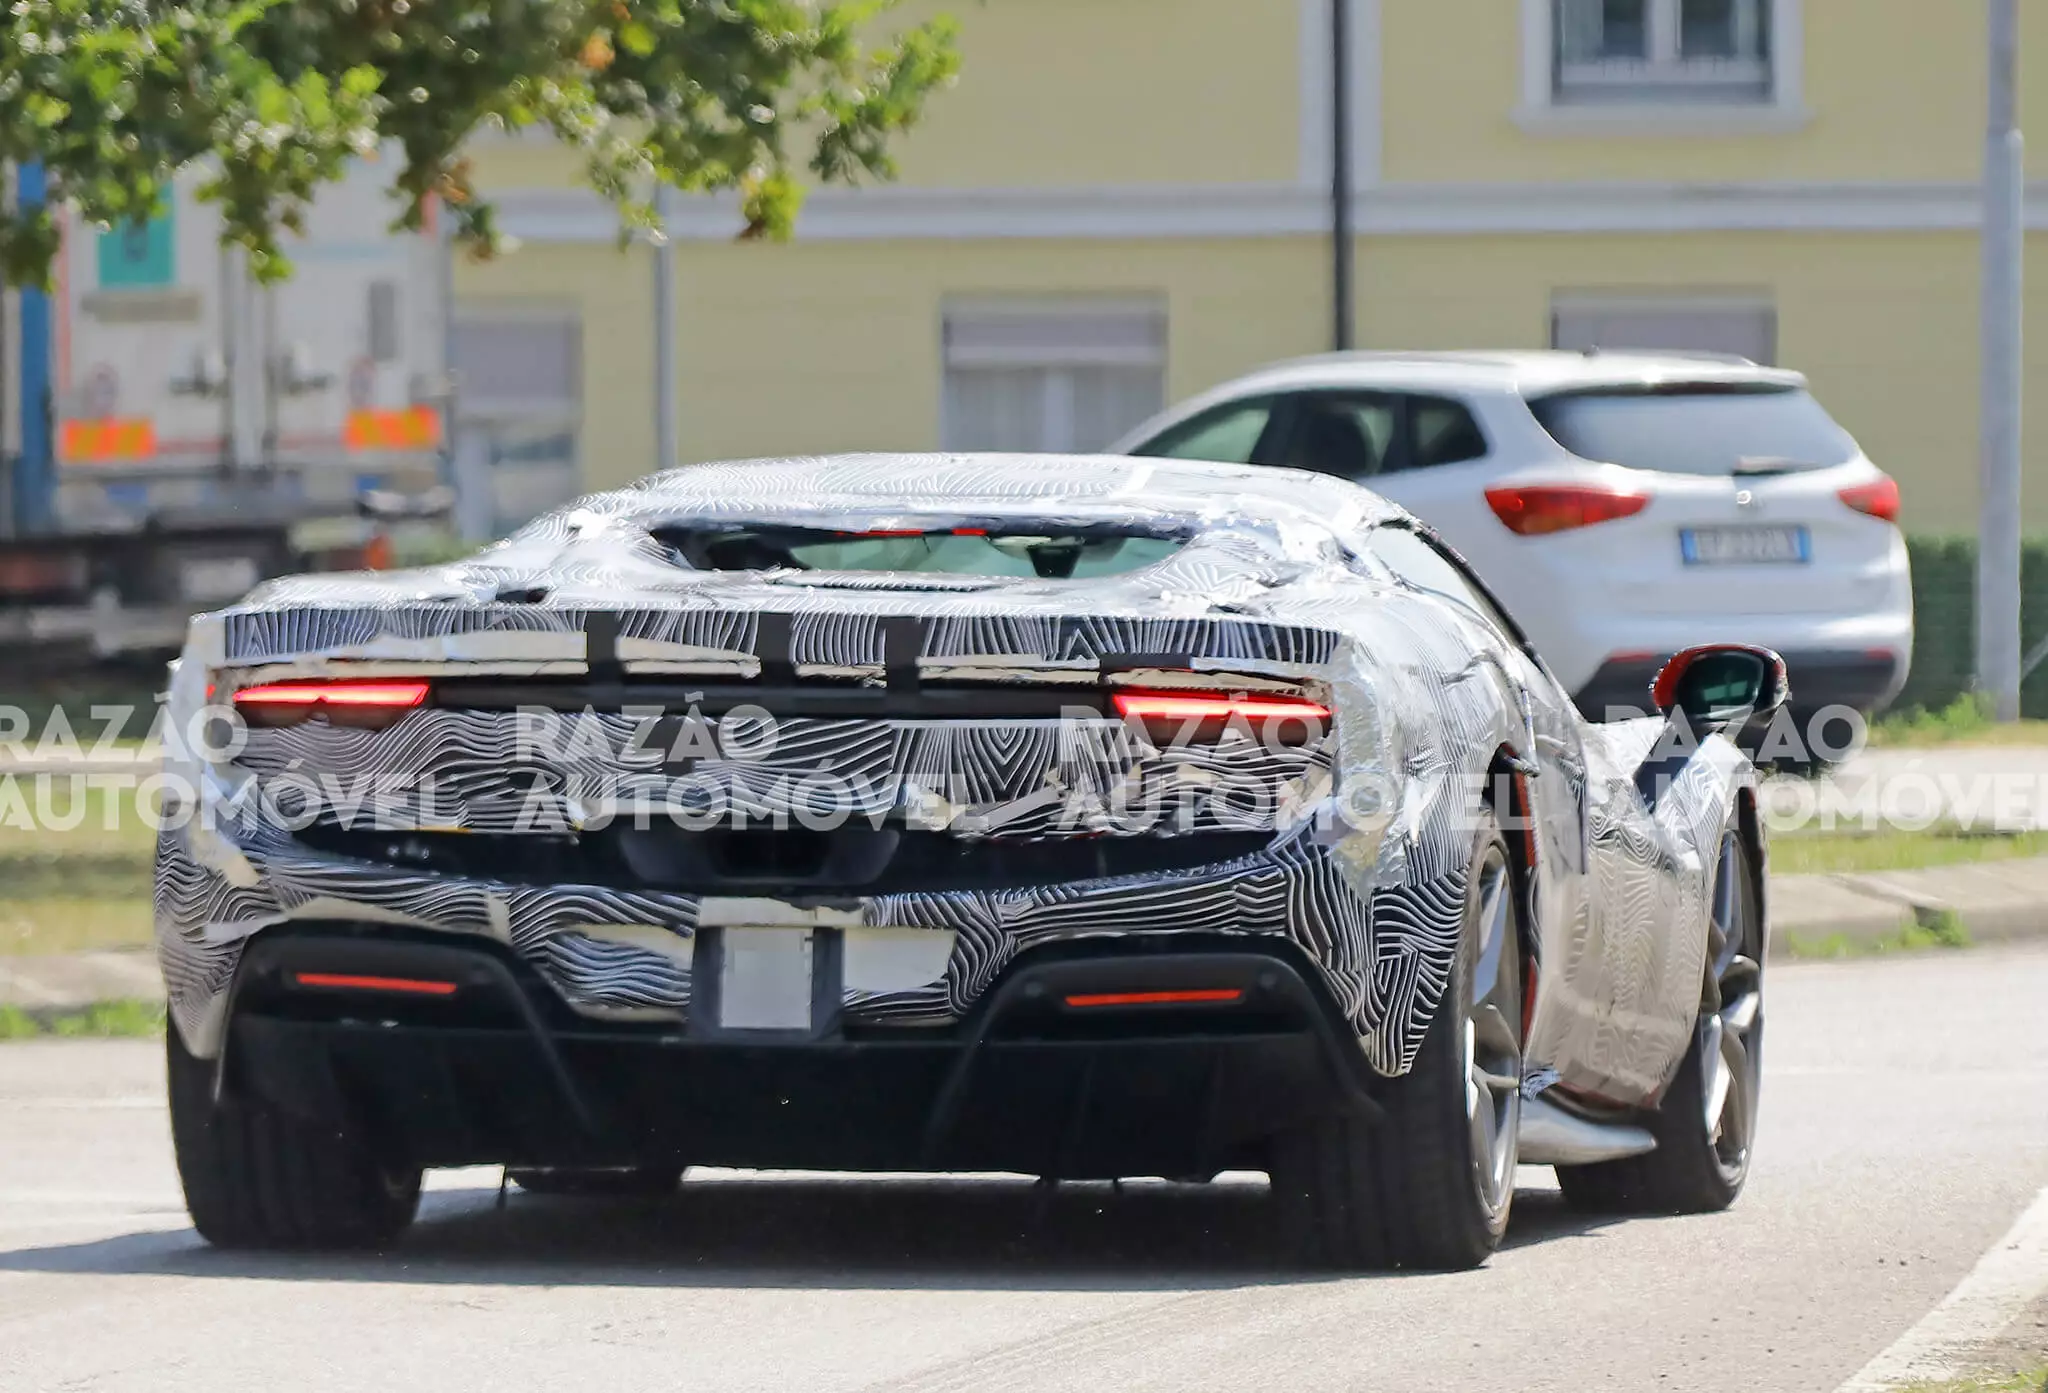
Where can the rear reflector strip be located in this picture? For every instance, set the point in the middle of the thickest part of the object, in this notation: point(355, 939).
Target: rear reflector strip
point(412, 986)
point(1212, 996)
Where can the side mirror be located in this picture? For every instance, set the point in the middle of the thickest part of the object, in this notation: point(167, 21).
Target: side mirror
point(1732, 687)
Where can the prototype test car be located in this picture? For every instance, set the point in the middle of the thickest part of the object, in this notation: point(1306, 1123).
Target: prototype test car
point(1085, 818)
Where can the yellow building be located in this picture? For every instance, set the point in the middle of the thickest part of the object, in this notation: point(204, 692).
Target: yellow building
point(1125, 201)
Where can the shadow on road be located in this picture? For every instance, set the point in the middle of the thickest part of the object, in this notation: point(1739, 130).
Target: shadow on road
point(981, 1234)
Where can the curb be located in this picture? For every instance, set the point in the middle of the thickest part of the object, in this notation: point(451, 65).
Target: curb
point(63, 983)
point(142, 763)
point(1991, 901)
point(2011, 1274)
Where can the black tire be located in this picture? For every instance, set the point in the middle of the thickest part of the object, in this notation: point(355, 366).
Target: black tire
point(609, 1182)
point(255, 1177)
point(1700, 1166)
point(1413, 1189)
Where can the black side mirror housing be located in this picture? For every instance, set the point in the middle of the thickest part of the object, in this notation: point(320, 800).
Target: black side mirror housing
point(1733, 688)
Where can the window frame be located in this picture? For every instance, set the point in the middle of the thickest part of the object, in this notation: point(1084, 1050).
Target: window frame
point(972, 337)
point(1284, 407)
point(1400, 456)
point(1289, 415)
point(1569, 303)
point(1664, 108)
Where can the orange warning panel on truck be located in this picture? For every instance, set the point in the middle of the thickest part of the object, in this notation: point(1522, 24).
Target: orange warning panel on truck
point(106, 440)
point(406, 428)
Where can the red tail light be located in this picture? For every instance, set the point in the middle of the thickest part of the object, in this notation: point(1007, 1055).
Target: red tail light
point(1540, 509)
point(1201, 996)
point(1879, 498)
point(1202, 717)
point(368, 703)
point(345, 981)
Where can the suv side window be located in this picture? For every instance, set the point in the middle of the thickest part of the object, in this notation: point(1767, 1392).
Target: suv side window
point(1425, 565)
point(1228, 434)
point(1441, 431)
point(1353, 435)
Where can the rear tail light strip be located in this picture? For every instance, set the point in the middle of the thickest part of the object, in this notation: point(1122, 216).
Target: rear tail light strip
point(361, 702)
point(1172, 706)
point(1203, 717)
point(1879, 498)
point(1175, 714)
point(402, 696)
point(1536, 510)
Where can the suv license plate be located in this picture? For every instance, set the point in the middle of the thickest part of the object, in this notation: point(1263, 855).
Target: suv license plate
point(1745, 546)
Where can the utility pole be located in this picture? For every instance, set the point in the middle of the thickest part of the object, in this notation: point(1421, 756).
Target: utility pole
point(667, 448)
point(1341, 239)
point(2004, 244)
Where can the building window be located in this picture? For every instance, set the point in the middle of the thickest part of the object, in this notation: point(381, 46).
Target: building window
point(1645, 66)
point(1658, 50)
point(519, 407)
point(1065, 376)
point(1729, 325)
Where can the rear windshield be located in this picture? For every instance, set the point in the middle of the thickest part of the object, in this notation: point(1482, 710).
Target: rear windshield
point(1698, 429)
point(963, 552)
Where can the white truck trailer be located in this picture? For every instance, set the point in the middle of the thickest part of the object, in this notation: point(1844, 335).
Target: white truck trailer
point(175, 432)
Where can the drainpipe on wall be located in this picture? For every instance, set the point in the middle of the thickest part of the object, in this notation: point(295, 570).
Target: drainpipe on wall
point(2004, 237)
point(1341, 240)
point(667, 445)
point(35, 478)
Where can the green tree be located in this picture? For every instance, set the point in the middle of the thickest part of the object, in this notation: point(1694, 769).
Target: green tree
point(114, 97)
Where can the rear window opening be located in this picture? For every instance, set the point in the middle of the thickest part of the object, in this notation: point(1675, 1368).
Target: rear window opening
point(1024, 554)
point(1698, 428)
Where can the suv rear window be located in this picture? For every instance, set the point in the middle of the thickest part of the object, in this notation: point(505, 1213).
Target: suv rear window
point(1698, 429)
point(1042, 555)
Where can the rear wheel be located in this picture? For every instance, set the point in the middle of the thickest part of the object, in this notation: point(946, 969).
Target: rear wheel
point(1430, 1184)
point(618, 1181)
point(256, 1177)
point(1707, 1122)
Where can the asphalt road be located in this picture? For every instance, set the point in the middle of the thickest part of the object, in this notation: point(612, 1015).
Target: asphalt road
point(1904, 1130)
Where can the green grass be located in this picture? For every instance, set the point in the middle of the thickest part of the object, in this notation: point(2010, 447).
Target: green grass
point(2034, 1382)
point(1818, 852)
point(37, 696)
point(1964, 721)
point(84, 887)
point(105, 1020)
point(1937, 929)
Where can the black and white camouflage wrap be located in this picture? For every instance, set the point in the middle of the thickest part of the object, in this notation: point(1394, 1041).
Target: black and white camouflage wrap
point(1367, 831)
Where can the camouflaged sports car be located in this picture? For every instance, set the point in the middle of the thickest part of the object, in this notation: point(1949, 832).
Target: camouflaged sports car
point(1081, 817)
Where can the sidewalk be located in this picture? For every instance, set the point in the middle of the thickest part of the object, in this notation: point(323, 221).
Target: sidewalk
point(1978, 785)
point(139, 760)
point(1997, 901)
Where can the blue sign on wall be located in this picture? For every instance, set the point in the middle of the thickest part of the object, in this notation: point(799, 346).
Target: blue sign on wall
point(139, 253)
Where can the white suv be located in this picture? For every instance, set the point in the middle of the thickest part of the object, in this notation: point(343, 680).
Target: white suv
point(1622, 505)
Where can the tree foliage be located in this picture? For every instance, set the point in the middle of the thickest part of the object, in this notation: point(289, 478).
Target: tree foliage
point(114, 97)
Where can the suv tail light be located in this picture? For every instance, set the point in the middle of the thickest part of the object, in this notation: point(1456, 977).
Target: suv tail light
point(1539, 509)
point(1202, 717)
point(375, 704)
point(1879, 498)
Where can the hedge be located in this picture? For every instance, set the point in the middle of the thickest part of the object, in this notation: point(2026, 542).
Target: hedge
point(1945, 621)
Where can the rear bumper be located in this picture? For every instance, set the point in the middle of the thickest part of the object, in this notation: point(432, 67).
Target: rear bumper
point(498, 1071)
point(1862, 680)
